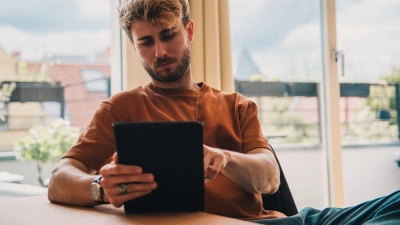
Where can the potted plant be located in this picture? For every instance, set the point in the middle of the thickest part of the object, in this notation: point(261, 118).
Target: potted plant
point(47, 144)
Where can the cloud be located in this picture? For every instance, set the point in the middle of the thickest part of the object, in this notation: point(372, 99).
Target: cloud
point(64, 27)
point(32, 45)
point(284, 37)
point(368, 33)
point(261, 22)
point(43, 16)
point(271, 31)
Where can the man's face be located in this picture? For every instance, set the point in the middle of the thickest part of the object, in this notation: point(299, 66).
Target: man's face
point(164, 52)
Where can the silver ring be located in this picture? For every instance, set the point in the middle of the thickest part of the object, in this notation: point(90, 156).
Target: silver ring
point(122, 188)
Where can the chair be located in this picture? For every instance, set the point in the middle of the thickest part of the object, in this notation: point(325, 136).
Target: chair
point(282, 200)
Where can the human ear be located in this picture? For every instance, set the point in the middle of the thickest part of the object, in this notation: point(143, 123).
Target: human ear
point(190, 30)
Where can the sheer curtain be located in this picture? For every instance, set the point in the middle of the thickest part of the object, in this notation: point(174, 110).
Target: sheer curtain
point(211, 48)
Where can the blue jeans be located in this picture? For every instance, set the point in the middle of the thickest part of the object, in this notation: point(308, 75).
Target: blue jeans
point(382, 211)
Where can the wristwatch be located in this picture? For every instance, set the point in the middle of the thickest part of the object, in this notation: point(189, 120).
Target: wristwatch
point(96, 191)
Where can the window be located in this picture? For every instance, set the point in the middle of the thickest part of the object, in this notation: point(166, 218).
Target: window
point(46, 43)
point(94, 80)
point(276, 54)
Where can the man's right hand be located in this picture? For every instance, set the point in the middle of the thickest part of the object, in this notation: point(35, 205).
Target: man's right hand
point(138, 183)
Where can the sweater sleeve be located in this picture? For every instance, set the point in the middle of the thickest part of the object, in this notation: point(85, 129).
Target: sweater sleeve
point(96, 145)
point(252, 135)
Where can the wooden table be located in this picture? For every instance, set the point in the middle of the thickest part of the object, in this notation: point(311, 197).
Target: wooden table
point(39, 211)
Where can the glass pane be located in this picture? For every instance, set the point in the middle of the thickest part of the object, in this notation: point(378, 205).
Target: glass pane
point(56, 55)
point(368, 33)
point(280, 41)
point(94, 81)
point(276, 55)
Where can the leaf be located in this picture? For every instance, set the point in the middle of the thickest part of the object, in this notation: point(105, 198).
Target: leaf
point(47, 143)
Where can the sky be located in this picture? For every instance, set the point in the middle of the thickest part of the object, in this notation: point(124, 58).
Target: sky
point(73, 27)
point(283, 37)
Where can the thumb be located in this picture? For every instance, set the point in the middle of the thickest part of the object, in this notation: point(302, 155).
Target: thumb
point(115, 158)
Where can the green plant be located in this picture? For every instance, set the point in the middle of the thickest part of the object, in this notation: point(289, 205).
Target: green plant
point(382, 97)
point(365, 126)
point(290, 122)
point(5, 93)
point(35, 73)
point(47, 144)
point(393, 77)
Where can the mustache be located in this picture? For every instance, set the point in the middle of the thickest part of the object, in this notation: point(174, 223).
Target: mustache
point(164, 60)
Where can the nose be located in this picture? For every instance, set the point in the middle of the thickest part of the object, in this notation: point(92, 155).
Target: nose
point(161, 49)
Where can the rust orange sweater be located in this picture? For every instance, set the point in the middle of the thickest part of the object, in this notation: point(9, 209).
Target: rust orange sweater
point(230, 122)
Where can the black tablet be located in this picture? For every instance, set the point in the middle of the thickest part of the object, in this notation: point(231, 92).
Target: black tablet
point(173, 153)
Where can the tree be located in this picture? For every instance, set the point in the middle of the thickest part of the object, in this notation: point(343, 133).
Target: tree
point(47, 144)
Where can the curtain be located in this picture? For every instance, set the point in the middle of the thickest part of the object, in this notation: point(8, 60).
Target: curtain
point(211, 48)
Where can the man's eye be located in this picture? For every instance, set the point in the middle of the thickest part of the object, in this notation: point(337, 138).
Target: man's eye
point(168, 37)
point(146, 43)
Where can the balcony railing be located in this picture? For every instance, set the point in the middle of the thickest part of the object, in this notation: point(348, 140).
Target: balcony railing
point(290, 111)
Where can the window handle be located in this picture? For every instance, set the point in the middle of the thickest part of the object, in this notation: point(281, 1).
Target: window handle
point(336, 55)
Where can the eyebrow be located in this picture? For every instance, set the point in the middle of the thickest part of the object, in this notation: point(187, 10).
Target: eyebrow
point(167, 30)
point(144, 38)
point(161, 33)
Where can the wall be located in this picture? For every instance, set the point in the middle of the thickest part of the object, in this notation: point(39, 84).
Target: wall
point(369, 172)
point(305, 171)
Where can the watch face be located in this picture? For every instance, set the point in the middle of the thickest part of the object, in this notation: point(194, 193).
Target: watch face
point(95, 192)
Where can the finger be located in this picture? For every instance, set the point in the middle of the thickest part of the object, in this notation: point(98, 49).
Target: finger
point(119, 200)
point(212, 172)
point(115, 158)
point(133, 190)
point(114, 191)
point(118, 169)
point(206, 158)
point(112, 181)
point(216, 164)
point(137, 187)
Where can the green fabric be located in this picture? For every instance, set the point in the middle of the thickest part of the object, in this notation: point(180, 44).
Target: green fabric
point(382, 211)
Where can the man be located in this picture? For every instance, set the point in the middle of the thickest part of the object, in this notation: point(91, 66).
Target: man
point(238, 163)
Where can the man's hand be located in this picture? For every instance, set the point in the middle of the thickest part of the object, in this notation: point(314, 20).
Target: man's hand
point(214, 161)
point(138, 183)
point(255, 172)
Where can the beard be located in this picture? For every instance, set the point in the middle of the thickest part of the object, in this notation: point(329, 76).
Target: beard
point(172, 75)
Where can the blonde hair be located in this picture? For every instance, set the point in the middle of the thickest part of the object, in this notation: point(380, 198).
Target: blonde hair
point(155, 12)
